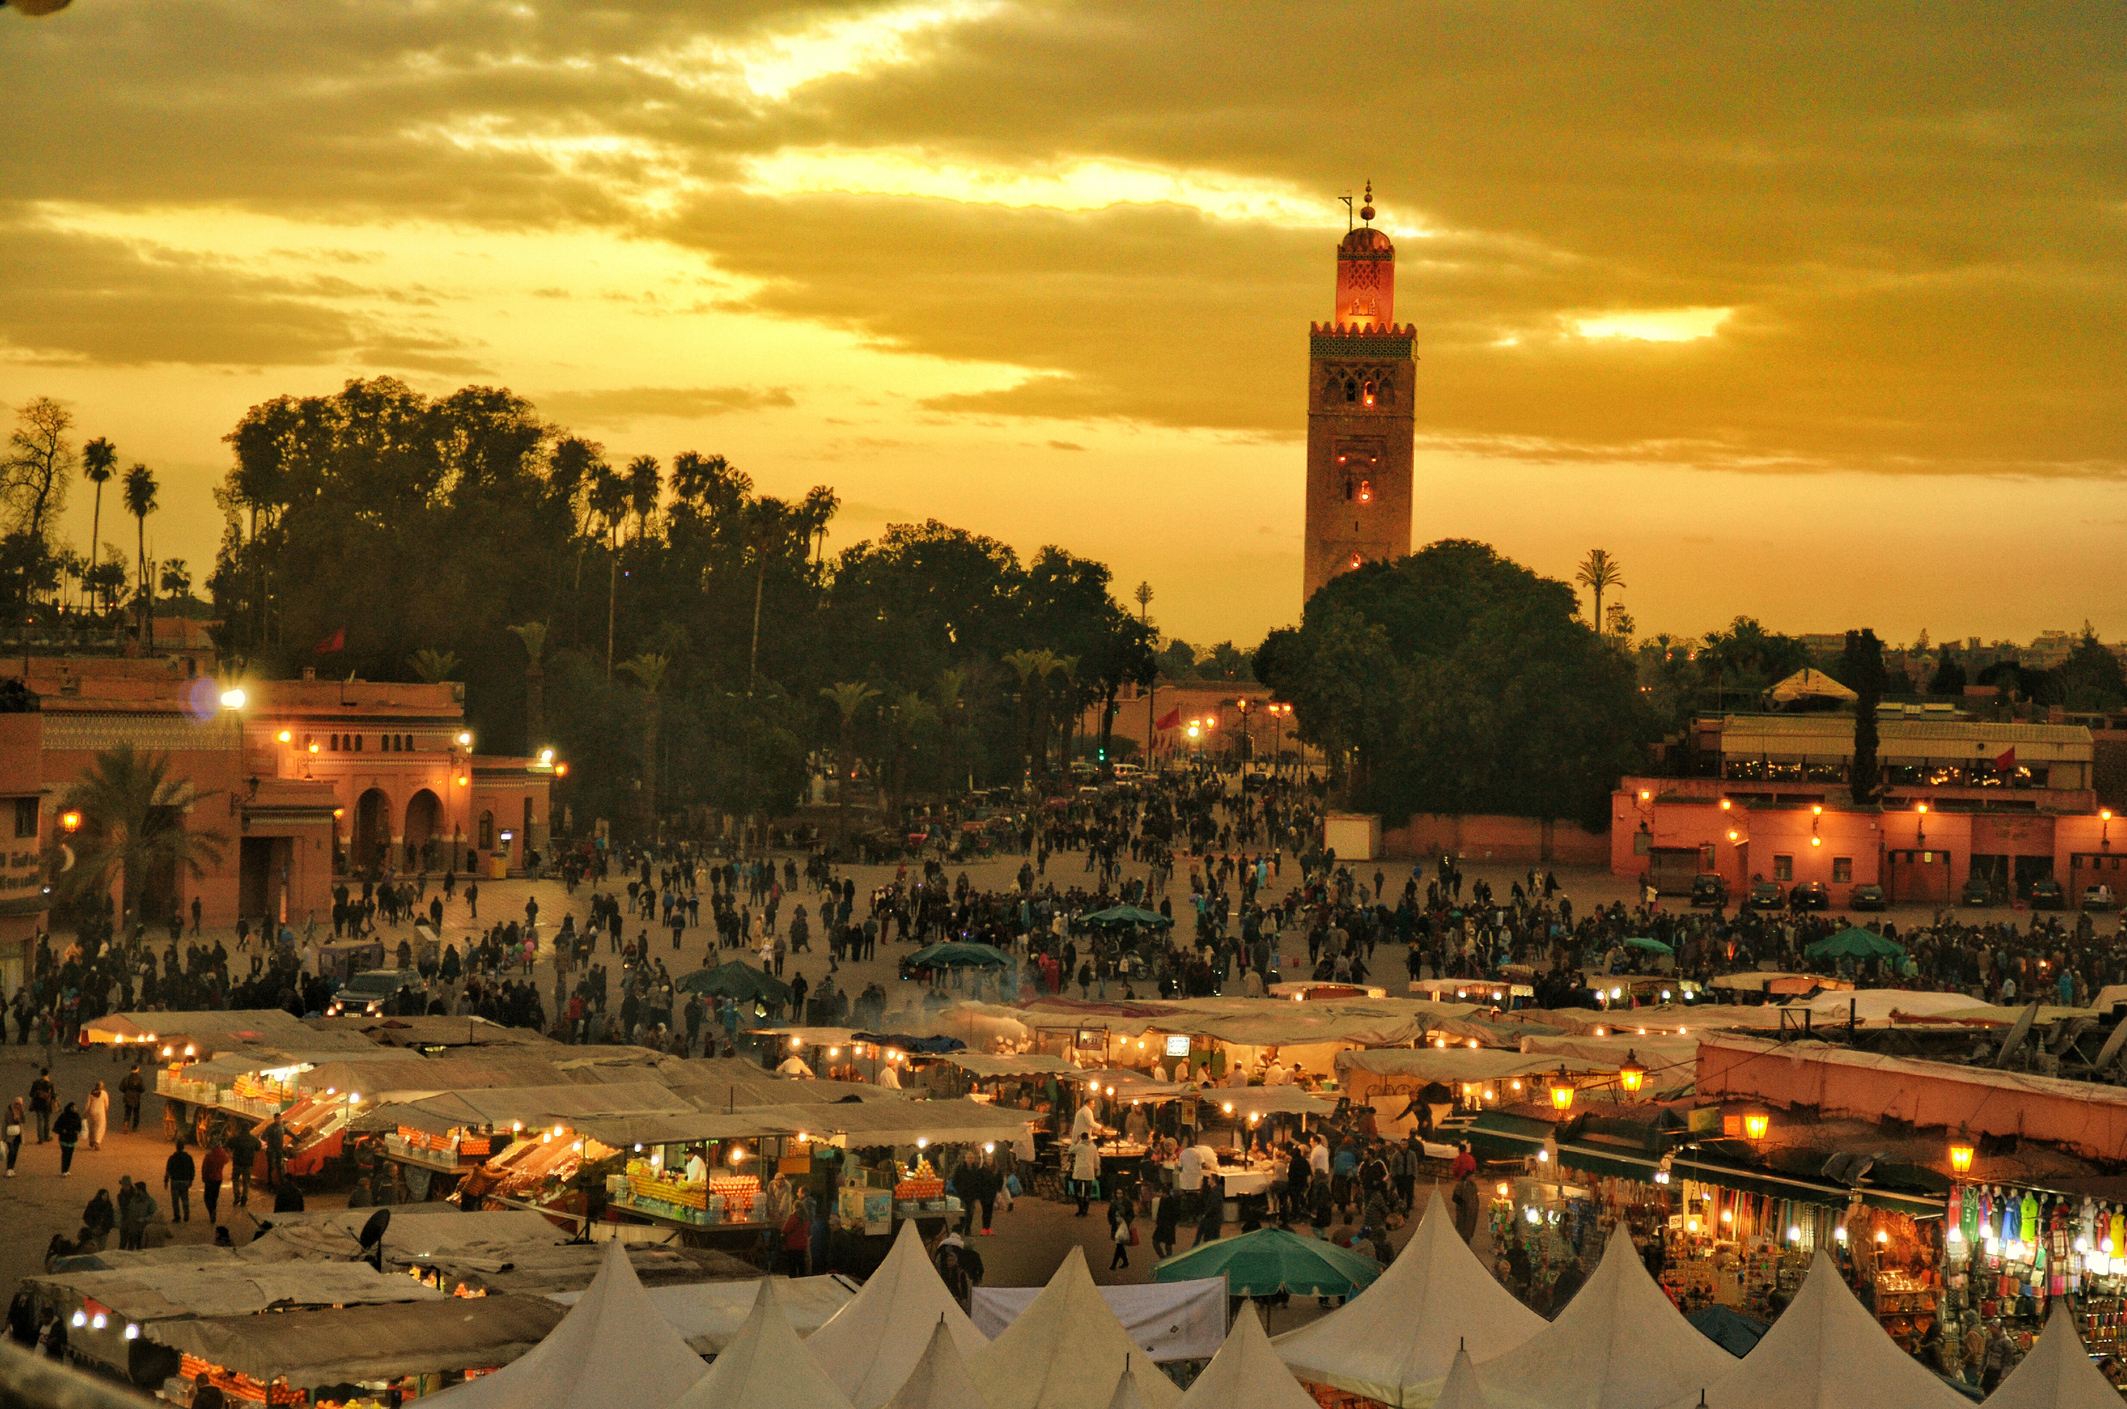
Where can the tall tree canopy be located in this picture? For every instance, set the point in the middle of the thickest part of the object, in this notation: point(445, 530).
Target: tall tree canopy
point(1455, 680)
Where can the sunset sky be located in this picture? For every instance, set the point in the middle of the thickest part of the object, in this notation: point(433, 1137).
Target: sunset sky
point(1812, 312)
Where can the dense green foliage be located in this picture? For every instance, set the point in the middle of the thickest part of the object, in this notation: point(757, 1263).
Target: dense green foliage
point(1455, 680)
point(432, 529)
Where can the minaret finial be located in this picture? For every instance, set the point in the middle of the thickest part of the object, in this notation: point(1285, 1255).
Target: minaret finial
point(1366, 209)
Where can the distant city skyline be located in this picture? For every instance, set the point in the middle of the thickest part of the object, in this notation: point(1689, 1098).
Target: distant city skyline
point(1823, 331)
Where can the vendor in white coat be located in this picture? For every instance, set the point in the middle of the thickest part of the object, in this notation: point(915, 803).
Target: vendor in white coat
point(1085, 1170)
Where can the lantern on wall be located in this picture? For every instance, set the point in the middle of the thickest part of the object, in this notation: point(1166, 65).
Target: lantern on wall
point(1961, 1153)
point(1631, 1075)
point(1755, 1124)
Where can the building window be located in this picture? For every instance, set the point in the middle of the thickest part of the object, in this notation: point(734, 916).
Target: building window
point(1783, 868)
point(1842, 869)
point(357, 743)
point(1351, 391)
point(332, 745)
point(487, 831)
point(26, 809)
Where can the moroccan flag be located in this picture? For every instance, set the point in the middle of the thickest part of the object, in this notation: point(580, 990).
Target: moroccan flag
point(337, 641)
point(2005, 762)
point(1172, 719)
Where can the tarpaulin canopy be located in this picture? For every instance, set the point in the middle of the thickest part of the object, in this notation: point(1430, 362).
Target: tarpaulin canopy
point(1244, 1101)
point(1026, 1064)
point(1669, 1060)
point(1169, 1319)
point(1825, 1349)
point(500, 1108)
point(939, 1379)
point(1272, 1260)
point(1246, 1373)
point(736, 980)
point(764, 1366)
point(2058, 1373)
point(367, 1342)
point(1126, 915)
point(1730, 1329)
point(1252, 1022)
point(957, 955)
point(709, 1314)
point(1401, 1334)
point(1619, 1344)
point(1854, 942)
point(911, 1042)
point(611, 1348)
point(1648, 943)
point(869, 1347)
point(218, 1288)
point(1458, 1064)
point(1045, 1358)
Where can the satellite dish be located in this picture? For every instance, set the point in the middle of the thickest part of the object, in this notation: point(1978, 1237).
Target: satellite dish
point(38, 7)
point(373, 1238)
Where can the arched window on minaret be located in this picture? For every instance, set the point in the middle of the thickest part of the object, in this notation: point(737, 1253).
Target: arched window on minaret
point(1351, 390)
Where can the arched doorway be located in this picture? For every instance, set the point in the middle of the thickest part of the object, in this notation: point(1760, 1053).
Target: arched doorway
point(424, 815)
point(372, 828)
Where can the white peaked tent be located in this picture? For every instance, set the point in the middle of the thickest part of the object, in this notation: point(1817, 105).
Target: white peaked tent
point(2057, 1374)
point(869, 1347)
point(1826, 1352)
point(763, 1367)
point(940, 1379)
point(1619, 1344)
point(612, 1348)
point(1462, 1389)
point(1129, 1388)
point(1393, 1340)
point(1061, 1350)
point(1246, 1373)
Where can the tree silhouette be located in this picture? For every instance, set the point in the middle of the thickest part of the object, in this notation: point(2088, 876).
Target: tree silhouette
point(1598, 573)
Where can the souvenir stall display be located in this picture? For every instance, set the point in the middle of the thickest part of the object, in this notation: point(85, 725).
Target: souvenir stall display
point(2010, 1251)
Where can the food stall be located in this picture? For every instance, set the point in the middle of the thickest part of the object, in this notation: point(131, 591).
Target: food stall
point(2012, 1251)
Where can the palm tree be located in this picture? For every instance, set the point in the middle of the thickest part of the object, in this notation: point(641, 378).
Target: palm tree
point(140, 502)
point(649, 672)
point(769, 527)
point(644, 484)
point(912, 712)
point(534, 636)
point(133, 822)
point(1599, 572)
point(1023, 665)
point(176, 580)
point(99, 461)
point(608, 498)
point(432, 667)
point(849, 698)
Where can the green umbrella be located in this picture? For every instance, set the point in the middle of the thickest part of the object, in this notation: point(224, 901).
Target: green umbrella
point(735, 980)
point(1271, 1260)
point(1641, 941)
point(1127, 915)
point(1854, 942)
point(958, 956)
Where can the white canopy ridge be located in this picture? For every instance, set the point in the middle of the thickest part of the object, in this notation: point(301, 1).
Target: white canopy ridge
point(1046, 1359)
point(2057, 1374)
point(1246, 1373)
point(870, 1346)
point(764, 1367)
point(940, 1379)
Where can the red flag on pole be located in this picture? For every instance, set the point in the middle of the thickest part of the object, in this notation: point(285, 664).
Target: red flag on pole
point(1172, 719)
point(337, 641)
point(2005, 762)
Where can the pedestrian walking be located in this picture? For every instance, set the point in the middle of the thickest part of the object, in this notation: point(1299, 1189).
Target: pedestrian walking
point(97, 1111)
point(130, 1087)
point(276, 1151)
point(13, 1130)
point(178, 1172)
point(67, 1130)
point(42, 1093)
point(1122, 1232)
point(244, 1149)
point(212, 1170)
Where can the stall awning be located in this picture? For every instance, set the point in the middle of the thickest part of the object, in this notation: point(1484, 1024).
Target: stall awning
point(1030, 1064)
point(1455, 1064)
point(353, 1343)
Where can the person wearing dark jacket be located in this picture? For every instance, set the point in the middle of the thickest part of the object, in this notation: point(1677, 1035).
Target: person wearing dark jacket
point(67, 1131)
point(178, 1171)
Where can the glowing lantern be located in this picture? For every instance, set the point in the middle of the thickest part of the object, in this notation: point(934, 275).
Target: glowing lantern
point(1631, 1075)
point(1961, 1152)
point(1755, 1124)
point(1562, 1092)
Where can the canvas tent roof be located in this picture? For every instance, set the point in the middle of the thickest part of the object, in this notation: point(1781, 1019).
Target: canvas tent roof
point(1809, 683)
point(763, 1367)
point(533, 1106)
point(986, 1068)
point(871, 1345)
point(1246, 1373)
point(940, 1378)
point(1463, 1390)
point(2057, 1374)
point(171, 1290)
point(1822, 1350)
point(708, 1315)
point(1619, 1344)
point(1403, 1331)
point(368, 1342)
point(1455, 1064)
point(1041, 1360)
point(611, 1348)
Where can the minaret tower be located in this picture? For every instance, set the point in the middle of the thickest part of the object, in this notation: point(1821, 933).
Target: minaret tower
point(1361, 377)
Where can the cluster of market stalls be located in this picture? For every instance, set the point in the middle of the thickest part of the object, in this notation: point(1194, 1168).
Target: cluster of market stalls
point(500, 1118)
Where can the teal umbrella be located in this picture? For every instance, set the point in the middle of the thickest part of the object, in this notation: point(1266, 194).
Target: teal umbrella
point(1854, 942)
point(1271, 1260)
point(736, 980)
point(1641, 941)
point(1127, 915)
point(958, 956)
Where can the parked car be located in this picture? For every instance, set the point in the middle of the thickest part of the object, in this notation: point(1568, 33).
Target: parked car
point(2047, 894)
point(1709, 889)
point(1763, 895)
point(1978, 891)
point(2098, 897)
point(1809, 895)
point(1868, 897)
point(370, 994)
